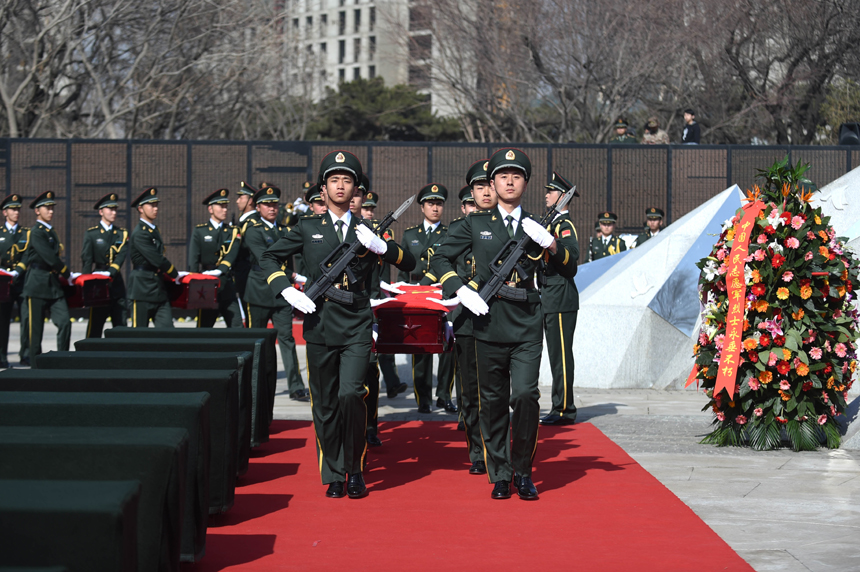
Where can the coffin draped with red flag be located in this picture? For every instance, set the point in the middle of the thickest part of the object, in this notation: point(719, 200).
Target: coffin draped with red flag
point(409, 323)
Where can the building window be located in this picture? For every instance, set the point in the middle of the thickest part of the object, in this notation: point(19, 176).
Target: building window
point(419, 76)
point(295, 23)
point(323, 48)
point(342, 2)
point(372, 23)
point(371, 72)
point(356, 23)
point(309, 24)
point(421, 47)
point(341, 51)
point(323, 23)
point(419, 17)
point(341, 25)
point(371, 50)
point(341, 73)
point(356, 49)
point(356, 73)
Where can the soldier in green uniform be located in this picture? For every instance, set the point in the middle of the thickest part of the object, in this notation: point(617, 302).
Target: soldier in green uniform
point(508, 334)
point(464, 344)
point(261, 305)
point(13, 244)
point(104, 251)
point(421, 241)
point(606, 243)
point(621, 135)
point(338, 335)
point(213, 250)
point(247, 213)
point(315, 201)
point(150, 268)
point(654, 220)
point(559, 300)
point(43, 289)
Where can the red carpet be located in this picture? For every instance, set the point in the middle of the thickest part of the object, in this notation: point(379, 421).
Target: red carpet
point(598, 510)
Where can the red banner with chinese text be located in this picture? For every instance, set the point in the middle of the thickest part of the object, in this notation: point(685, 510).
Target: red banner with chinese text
point(737, 290)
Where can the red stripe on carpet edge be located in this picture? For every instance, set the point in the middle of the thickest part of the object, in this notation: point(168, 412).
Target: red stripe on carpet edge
point(598, 510)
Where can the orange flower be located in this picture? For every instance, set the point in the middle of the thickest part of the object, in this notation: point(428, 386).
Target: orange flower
point(756, 276)
point(805, 196)
point(785, 189)
point(830, 382)
point(817, 219)
point(696, 349)
point(852, 366)
point(786, 354)
point(802, 369)
point(785, 396)
point(765, 376)
point(841, 291)
point(761, 306)
point(753, 195)
point(798, 315)
point(805, 292)
point(782, 293)
point(750, 344)
point(822, 250)
point(746, 325)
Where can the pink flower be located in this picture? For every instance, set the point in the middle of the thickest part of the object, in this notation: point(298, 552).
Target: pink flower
point(754, 383)
point(827, 345)
point(784, 385)
point(762, 238)
point(815, 353)
point(721, 416)
point(787, 276)
point(840, 350)
point(810, 235)
point(721, 254)
point(824, 396)
point(792, 243)
point(741, 420)
point(822, 419)
point(797, 222)
point(833, 410)
point(718, 341)
point(759, 254)
point(758, 411)
point(808, 256)
point(723, 268)
point(703, 339)
point(772, 359)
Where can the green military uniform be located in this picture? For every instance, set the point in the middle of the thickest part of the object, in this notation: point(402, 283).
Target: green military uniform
point(242, 266)
point(13, 244)
point(338, 336)
point(560, 305)
point(214, 249)
point(260, 304)
point(509, 337)
point(600, 247)
point(149, 271)
point(421, 244)
point(105, 250)
point(42, 287)
point(652, 213)
point(624, 138)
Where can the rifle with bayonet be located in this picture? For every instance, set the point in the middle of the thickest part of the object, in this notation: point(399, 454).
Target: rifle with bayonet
point(507, 261)
point(340, 262)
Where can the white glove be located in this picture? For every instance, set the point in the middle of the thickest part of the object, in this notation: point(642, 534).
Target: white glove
point(537, 233)
point(299, 300)
point(102, 272)
point(14, 273)
point(472, 301)
point(383, 285)
point(182, 273)
point(215, 272)
point(370, 241)
point(446, 304)
point(73, 275)
point(300, 279)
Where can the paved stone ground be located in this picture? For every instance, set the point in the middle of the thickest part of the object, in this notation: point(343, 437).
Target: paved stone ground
point(780, 510)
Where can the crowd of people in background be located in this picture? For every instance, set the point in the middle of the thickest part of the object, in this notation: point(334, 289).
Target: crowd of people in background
point(654, 134)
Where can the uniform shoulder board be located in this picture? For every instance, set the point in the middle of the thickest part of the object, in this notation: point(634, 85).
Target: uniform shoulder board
point(92, 228)
point(482, 213)
point(311, 216)
point(413, 227)
point(458, 219)
point(203, 225)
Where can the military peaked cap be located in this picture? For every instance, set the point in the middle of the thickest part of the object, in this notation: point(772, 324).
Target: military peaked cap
point(507, 159)
point(607, 216)
point(11, 202)
point(313, 194)
point(432, 191)
point(465, 195)
point(107, 202)
point(219, 197)
point(340, 161)
point(559, 183)
point(268, 195)
point(653, 212)
point(477, 172)
point(46, 199)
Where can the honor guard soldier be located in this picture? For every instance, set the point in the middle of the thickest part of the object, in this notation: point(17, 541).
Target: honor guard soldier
point(606, 243)
point(315, 201)
point(247, 214)
point(621, 135)
point(477, 195)
point(261, 305)
point(213, 250)
point(508, 333)
point(43, 289)
point(559, 300)
point(654, 220)
point(104, 251)
point(13, 244)
point(421, 241)
point(387, 365)
point(338, 333)
point(150, 268)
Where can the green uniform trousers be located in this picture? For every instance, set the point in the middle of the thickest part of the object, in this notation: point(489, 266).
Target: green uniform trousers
point(558, 329)
point(282, 319)
point(58, 310)
point(422, 377)
point(371, 380)
point(229, 310)
point(508, 378)
point(467, 382)
point(6, 312)
point(389, 370)
point(336, 376)
point(159, 312)
point(116, 310)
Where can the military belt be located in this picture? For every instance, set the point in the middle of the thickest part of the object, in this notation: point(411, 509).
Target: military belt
point(206, 267)
point(40, 266)
point(145, 267)
point(100, 267)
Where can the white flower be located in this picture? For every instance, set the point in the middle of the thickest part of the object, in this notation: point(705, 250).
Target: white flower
point(777, 247)
point(747, 274)
point(774, 219)
point(710, 270)
point(727, 225)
